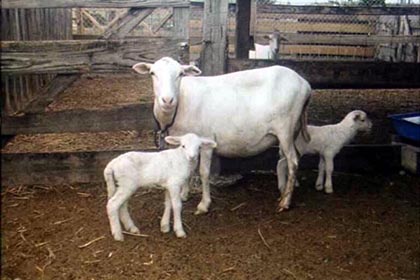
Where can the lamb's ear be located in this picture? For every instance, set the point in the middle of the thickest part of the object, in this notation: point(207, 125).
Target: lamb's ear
point(208, 143)
point(173, 140)
point(142, 67)
point(267, 37)
point(191, 70)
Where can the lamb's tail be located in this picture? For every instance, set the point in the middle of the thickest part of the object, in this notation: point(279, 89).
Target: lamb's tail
point(304, 121)
point(110, 181)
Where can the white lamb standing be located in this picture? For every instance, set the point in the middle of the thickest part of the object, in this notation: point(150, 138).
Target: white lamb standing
point(169, 169)
point(327, 141)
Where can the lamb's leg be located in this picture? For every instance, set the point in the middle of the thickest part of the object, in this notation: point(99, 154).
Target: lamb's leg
point(329, 168)
point(185, 191)
point(113, 206)
point(319, 185)
point(164, 222)
point(205, 164)
point(175, 195)
point(126, 219)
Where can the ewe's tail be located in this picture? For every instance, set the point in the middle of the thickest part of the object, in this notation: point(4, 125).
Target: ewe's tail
point(304, 121)
point(110, 181)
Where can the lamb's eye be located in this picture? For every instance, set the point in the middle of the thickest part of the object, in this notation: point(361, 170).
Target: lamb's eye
point(183, 146)
point(152, 73)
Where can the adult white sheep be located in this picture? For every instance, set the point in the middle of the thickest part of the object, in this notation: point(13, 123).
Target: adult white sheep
point(327, 141)
point(245, 112)
point(269, 51)
point(170, 169)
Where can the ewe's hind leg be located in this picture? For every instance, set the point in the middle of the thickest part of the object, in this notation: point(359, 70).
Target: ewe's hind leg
point(329, 168)
point(281, 172)
point(185, 191)
point(164, 222)
point(319, 185)
point(205, 164)
point(113, 207)
point(289, 151)
point(126, 219)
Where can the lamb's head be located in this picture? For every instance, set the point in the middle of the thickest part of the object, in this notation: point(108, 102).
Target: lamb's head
point(166, 75)
point(191, 144)
point(359, 120)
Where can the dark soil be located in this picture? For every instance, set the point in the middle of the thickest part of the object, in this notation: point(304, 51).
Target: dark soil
point(368, 229)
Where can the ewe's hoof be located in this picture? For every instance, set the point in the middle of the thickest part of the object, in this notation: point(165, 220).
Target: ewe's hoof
point(165, 228)
point(283, 205)
point(329, 190)
point(184, 197)
point(201, 212)
point(319, 187)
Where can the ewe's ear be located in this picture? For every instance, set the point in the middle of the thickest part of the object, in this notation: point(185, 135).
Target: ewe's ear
point(266, 37)
point(207, 143)
point(358, 117)
point(191, 70)
point(173, 140)
point(142, 67)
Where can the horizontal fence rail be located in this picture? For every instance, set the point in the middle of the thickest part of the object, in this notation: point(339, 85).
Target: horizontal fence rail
point(28, 4)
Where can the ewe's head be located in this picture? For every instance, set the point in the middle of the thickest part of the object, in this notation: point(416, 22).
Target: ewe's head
point(166, 74)
point(190, 144)
point(360, 120)
point(274, 41)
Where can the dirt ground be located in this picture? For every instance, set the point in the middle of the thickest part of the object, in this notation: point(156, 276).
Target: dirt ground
point(368, 229)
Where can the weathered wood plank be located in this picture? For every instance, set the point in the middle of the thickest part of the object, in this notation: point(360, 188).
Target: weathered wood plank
point(82, 56)
point(57, 85)
point(341, 39)
point(340, 10)
point(129, 117)
point(130, 21)
point(343, 74)
point(181, 19)
point(83, 167)
point(28, 4)
point(214, 53)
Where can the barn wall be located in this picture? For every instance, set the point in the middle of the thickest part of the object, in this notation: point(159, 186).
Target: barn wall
point(30, 25)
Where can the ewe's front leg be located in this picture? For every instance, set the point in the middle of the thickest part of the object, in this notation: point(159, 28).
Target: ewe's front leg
point(175, 195)
point(205, 164)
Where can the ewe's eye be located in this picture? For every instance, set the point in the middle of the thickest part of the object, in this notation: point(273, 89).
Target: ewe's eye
point(183, 146)
point(152, 73)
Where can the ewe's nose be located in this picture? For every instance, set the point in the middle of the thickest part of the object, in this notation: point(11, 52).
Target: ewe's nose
point(167, 100)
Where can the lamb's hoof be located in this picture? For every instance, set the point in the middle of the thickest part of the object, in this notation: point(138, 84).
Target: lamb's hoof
point(184, 197)
point(118, 236)
point(319, 187)
point(165, 228)
point(180, 234)
point(134, 230)
point(201, 211)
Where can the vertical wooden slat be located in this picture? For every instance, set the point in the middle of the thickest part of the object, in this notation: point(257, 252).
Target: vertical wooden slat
point(214, 52)
point(243, 41)
point(8, 105)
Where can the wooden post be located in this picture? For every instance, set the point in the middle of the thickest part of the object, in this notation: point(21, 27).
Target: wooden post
point(243, 17)
point(214, 52)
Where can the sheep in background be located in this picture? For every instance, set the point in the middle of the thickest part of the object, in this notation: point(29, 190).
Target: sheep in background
point(269, 51)
point(169, 169)
point(327, 141)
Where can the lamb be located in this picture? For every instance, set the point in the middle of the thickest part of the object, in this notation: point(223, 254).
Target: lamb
point(327, 141)
point(169, 169)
